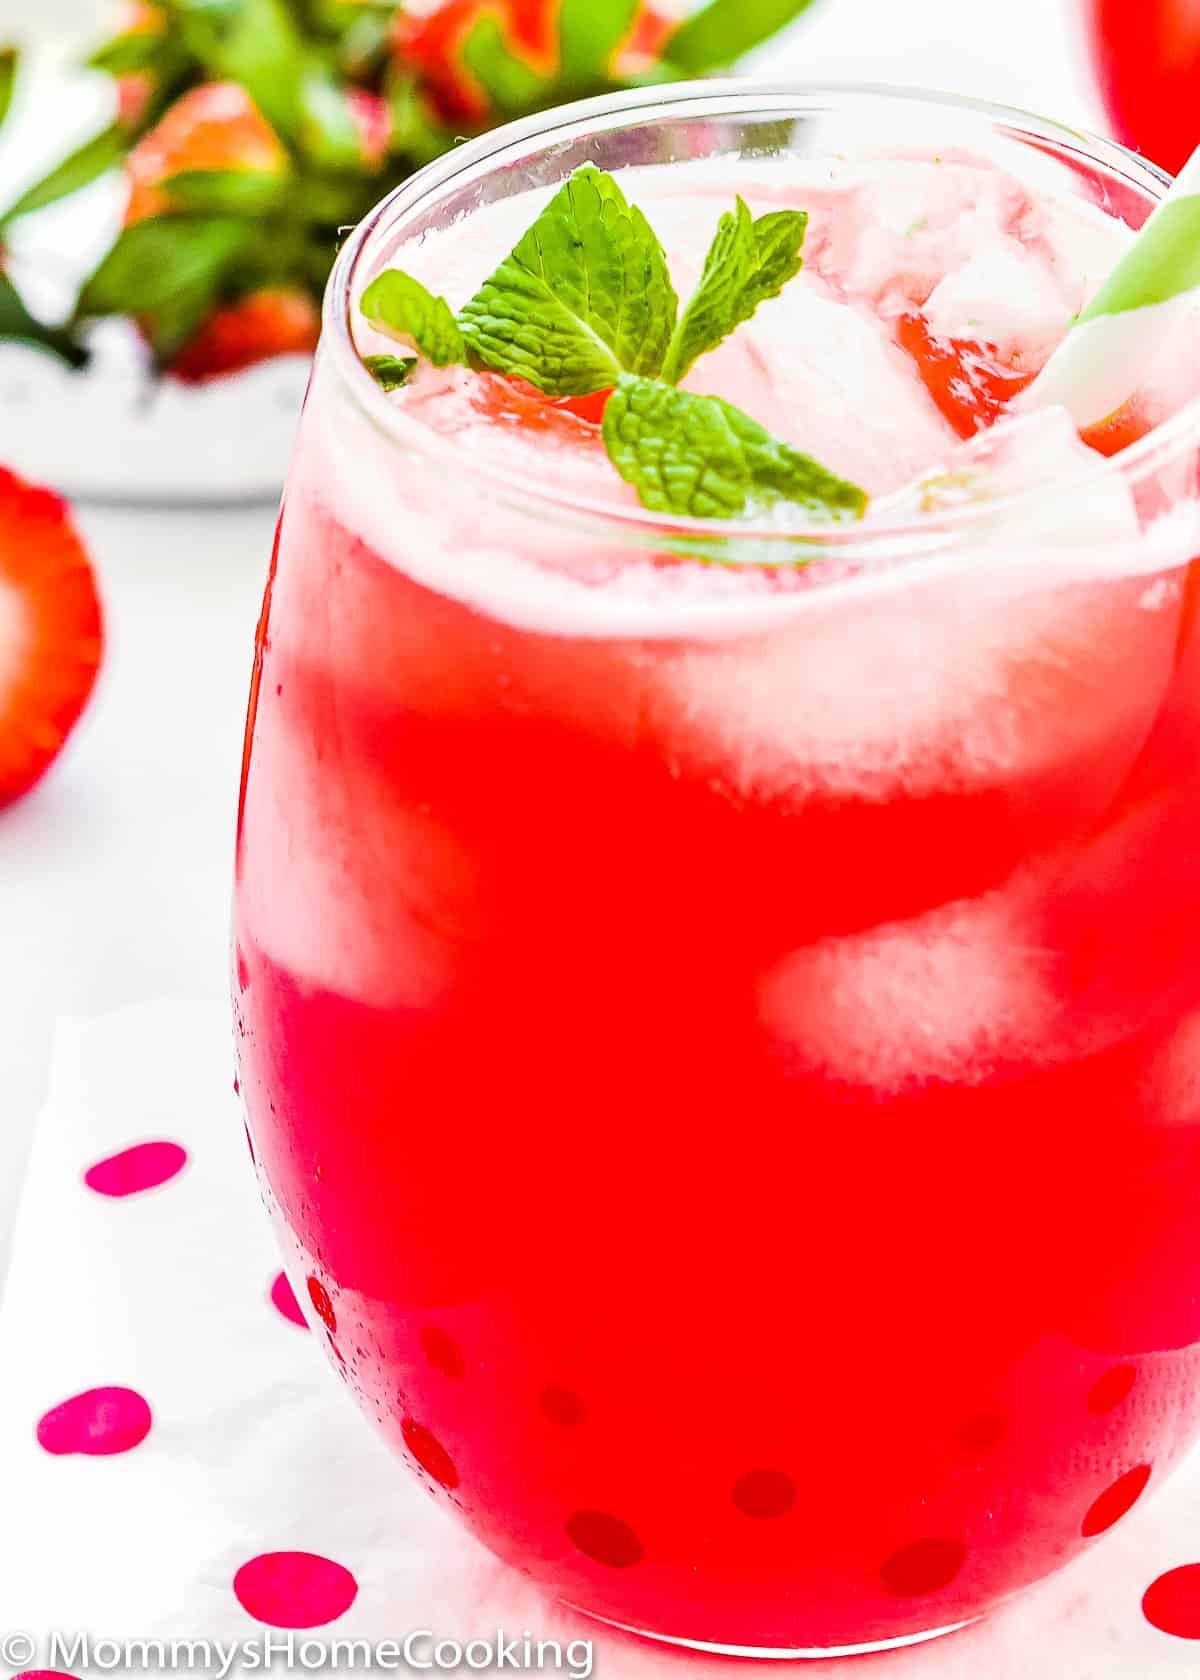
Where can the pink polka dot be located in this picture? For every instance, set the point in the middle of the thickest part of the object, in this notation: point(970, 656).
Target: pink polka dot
point(283, 1299)
point(1172, 1603)
point(144, 1167)
point(97, 1423)
point(43, 1674)
point(294, 1589)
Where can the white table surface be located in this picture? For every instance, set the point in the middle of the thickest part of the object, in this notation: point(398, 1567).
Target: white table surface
point(115, 872)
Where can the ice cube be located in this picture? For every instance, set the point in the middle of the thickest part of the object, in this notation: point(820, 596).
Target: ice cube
point(826, 376)
point(1004, 295)
point(949, 995)
point(1028, 479)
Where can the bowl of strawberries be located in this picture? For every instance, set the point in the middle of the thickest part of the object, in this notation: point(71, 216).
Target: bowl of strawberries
point(239, 142)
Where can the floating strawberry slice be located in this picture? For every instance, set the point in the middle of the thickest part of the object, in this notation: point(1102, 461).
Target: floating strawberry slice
point(214, 128)
point(51, 633)
point(966, 379)
point(276, 321)
point(1129, 423)
point(972, 387)
point(512, 400)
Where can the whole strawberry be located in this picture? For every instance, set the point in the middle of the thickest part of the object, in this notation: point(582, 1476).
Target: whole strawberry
point(52, 634)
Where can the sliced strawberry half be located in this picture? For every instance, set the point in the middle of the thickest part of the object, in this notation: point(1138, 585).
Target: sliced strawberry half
point(211, 129)
point(967, 380)
point(51, 631)
point(276, 321)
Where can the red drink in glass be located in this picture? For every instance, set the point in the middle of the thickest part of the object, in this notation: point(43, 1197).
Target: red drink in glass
point(719, 1040)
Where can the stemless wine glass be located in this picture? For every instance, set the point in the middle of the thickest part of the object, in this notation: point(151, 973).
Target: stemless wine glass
point(721, 1056)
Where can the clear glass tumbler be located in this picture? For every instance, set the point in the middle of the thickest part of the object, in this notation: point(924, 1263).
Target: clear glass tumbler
point(723, 1059)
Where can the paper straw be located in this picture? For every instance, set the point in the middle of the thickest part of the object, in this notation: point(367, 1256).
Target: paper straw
point(1102, 360)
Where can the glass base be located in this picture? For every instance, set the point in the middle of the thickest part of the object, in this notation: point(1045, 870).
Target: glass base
point(781, 1655)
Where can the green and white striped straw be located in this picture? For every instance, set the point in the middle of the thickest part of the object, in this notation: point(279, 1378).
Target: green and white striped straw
point(1103, 358)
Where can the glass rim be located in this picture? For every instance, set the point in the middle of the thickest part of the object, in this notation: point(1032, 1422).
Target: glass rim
point(715, 98)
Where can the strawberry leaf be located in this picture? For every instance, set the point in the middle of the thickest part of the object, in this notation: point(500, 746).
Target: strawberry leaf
point(140, 49)
point(8, 80)
point(510, 83)
point(18, 325)
point(263, 50)
point(233, 192)
point(327, 131)
point(719, 34)
point(159, 263)
point(589, 33)
point(84, 165)
point(366, 41)
point(416, 133)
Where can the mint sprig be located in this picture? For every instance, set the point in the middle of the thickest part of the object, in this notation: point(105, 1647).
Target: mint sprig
point(583, 295)
point(584, 303)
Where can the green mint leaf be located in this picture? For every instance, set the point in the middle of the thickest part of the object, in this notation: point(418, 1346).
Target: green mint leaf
point(157, 262)
point(589, 33)
point(401, 307)
point(721, 32)
point(511, 84)
point(17, 324)
point(701, 456)
point(390, 372)
point(9, 60)
point(584, 295)
point(748, 262)
point(232, 192)
point(138, 50)
point(84, 165)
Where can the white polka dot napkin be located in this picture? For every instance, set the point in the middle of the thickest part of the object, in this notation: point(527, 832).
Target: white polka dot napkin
point(178, 1463)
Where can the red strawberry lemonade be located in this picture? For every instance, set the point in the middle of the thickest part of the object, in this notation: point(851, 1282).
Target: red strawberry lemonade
point(717, 1003)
